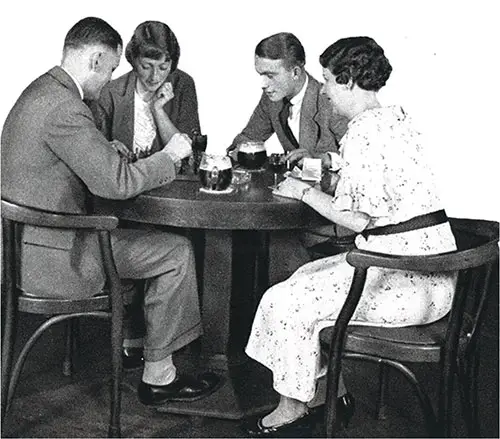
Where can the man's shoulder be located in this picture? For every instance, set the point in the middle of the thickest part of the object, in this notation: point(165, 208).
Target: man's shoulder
point(120, 84)
point(314, 86)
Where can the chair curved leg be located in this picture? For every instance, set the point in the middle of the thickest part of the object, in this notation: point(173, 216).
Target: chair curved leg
point(7, 353)
point(31, 342)
point(71, 346)
point(116, 364)
point(468, 394)
point(445, 400)
point(425, 403)
point(382, 390)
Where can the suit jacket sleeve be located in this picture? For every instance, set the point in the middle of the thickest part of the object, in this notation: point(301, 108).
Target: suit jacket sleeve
point(188, 119)
point(70, 132)
point(259, 127)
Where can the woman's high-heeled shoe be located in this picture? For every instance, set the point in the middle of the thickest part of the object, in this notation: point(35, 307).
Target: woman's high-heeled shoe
point(300, 427)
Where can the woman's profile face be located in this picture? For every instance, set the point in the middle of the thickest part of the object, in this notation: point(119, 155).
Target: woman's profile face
point(335, 92)
point(152, 73)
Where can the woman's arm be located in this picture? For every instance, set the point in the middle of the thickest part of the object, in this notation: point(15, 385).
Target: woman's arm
point(322, 203)
point(166, 128)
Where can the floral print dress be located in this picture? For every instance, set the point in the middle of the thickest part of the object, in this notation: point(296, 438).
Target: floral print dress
point(385, 175)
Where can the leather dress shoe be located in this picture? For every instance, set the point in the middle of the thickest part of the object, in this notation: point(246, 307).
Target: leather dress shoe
point(183, 388)
point(132, 358)
point(300, 427)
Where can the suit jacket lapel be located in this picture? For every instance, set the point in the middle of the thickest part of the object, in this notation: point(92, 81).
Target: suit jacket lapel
point(308, 129)
point(124, 111)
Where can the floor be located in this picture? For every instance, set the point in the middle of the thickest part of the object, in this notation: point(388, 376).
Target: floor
point(47, 404)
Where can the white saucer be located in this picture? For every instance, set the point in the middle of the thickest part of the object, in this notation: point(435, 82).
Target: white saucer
point(229, 190)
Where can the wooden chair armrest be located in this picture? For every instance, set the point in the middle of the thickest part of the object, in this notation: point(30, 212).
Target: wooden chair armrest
point(450, 261)
point(41, 218)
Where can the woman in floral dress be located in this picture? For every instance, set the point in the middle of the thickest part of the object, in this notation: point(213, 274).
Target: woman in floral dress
point(383, 179)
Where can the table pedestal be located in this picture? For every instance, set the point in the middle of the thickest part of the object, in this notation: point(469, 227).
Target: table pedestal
point(235, 274)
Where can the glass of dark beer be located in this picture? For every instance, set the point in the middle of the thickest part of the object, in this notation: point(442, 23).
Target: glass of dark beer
point(215, 172)
point(277, 165)
point(252, 155)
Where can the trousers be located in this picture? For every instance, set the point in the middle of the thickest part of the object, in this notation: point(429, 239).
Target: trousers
point(165, 263)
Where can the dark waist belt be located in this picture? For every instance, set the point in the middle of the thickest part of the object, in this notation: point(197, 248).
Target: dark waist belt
point(418, 222)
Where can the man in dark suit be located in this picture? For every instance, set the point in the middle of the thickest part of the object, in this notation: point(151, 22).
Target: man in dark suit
point(293, 107)
point(54, 158)
point(291, 104)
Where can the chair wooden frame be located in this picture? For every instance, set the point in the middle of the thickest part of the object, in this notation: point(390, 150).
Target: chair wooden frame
point(107, 304)
point(456, 349)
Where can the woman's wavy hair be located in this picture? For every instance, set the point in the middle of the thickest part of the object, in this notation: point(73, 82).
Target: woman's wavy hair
point(153, 39)
point(360, 59)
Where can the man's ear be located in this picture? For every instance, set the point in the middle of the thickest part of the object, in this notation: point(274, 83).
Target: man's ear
point(95, 61)
point(296, 72)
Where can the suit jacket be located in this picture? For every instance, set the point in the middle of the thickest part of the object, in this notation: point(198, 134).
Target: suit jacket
point(54, 158)
point(114, 111)
point(319, 130)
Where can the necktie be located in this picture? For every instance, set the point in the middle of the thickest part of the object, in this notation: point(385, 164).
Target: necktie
point(283, 117)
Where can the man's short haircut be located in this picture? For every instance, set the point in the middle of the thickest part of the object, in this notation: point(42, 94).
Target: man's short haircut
point(284, 46)
point(92, 31)
point(153, 39)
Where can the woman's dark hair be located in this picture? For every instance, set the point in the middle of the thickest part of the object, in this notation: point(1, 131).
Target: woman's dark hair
point(153, 39)
point(360, 59)
point(90, 31)
point(285, 46)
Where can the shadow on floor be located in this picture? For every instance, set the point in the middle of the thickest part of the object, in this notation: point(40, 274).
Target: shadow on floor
point(48, 404)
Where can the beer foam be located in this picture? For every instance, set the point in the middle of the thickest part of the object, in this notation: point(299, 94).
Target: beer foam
point(252, 147)
point(220, 162)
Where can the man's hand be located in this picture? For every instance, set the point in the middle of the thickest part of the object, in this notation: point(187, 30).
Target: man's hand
point(178, 147)
point(292, 188)
point(296, 156)
point(122, 150)
point(164, 94)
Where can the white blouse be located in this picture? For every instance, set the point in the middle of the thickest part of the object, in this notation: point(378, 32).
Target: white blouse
point(144, 125)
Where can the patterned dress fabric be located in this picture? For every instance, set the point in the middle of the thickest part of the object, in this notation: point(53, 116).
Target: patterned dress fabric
point(384, 174)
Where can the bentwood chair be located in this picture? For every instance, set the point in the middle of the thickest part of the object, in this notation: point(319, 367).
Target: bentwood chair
point(105, 304)
point(452, 342)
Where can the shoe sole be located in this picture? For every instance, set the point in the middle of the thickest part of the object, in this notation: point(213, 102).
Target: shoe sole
point(195, 398)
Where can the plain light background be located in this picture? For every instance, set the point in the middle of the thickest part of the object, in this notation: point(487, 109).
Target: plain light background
point(444, 54)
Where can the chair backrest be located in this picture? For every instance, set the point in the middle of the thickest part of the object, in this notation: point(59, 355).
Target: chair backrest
point(475, 260)
point(15, 216)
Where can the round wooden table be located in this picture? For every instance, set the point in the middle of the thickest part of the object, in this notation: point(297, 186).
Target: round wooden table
point(230, 234)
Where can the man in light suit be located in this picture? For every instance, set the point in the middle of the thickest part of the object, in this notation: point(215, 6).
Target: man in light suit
point(54, 158)
point(293, 107)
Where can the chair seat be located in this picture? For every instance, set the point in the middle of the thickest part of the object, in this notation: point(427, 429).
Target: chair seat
point(47, 305)
point(414, 343)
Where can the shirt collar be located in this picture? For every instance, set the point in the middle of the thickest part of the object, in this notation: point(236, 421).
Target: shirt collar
point(78, 86)
point(296, 101)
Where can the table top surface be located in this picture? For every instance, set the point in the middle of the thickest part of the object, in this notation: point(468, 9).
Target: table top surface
point(182, 203)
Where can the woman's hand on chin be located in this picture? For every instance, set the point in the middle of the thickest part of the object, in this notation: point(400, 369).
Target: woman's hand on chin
point(164, 94)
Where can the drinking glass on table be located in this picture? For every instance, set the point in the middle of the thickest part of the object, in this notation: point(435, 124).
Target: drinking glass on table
point(277, 164)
